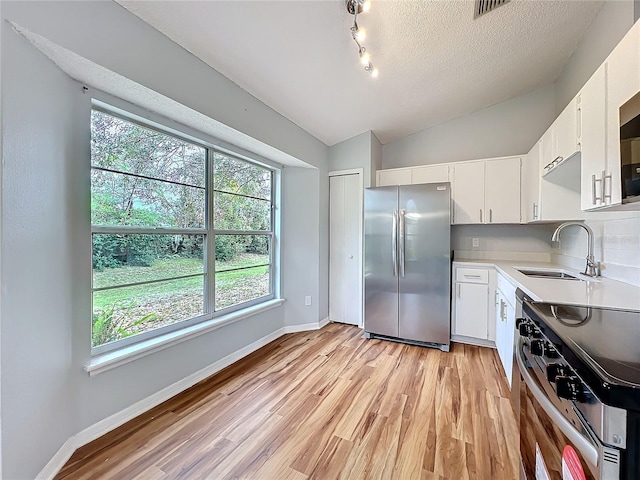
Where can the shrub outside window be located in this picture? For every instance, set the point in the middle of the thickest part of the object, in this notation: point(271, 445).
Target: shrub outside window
point(180, 232)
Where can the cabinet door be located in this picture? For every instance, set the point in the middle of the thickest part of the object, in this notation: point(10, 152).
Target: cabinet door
point(508, 344)
point(557, 202)
point(594, 113)
point(502, 190)
point(565, 132)
point(623, 82)
point(500, 323)
point(394, 177)
point(531, 185)
point(472, 305)
point(430, 174)
point(468, 193)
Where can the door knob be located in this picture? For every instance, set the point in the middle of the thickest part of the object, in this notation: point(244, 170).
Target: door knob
point(351, 256)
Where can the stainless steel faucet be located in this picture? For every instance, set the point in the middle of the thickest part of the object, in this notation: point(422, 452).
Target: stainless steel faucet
point(592, 267)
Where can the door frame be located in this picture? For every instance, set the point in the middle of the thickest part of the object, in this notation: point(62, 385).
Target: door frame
point(360, 173)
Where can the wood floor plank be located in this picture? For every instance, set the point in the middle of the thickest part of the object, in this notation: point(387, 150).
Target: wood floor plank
point(325, 404)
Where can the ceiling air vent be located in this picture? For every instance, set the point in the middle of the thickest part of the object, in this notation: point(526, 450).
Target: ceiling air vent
point(485, 6)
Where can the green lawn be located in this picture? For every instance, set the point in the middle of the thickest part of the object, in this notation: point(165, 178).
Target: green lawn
point(170, 267)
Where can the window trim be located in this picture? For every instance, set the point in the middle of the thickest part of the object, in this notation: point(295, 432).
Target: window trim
point(209, 233)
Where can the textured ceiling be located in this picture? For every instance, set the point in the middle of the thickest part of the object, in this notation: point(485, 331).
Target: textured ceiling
point(436, 63)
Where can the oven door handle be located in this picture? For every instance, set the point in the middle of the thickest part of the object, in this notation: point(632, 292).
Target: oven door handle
point(582, 444)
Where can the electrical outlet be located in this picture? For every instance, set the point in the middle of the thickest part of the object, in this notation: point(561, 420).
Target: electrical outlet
point(475, 242)
point(307, 300)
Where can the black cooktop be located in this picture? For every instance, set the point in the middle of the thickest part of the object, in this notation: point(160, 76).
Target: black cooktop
point(601, 344)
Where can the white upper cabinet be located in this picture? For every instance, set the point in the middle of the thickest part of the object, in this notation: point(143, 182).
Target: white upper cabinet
point(594, 125)
point(430, 174)
point(502, 190)
point(566, 133)
point(399, 176)
point(413, 175)
point(611, 86)
point(622, 83)
point(531, 185)
point(559, 188)
point(468, 192)
point(486, 191)
point(563, 137)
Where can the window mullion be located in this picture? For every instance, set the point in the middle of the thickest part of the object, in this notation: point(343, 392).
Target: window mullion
point(134, 230)
point(211, 242)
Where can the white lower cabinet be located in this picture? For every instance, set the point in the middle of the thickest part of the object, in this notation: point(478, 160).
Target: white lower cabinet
point(471, 306)
point(505, 319)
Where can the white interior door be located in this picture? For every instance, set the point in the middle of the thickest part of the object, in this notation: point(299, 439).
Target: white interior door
point(345, 233)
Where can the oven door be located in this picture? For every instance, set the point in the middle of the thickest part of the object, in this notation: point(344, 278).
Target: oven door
point(551, 447)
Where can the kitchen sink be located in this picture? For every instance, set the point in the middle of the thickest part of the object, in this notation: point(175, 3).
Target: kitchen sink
point(549, 274)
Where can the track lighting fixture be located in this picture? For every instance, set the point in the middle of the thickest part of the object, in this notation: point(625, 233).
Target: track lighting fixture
point(355, 7)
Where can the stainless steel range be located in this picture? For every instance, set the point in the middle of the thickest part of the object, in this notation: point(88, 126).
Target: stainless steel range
point(578, 398)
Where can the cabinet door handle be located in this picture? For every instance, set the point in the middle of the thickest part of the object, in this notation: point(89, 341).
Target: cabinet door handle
point(458, 290)
point(481, 216)
point(535, 211)
point(594, 196)
point(394, 243)
point(604, 186)
point(490, 215)
point(468, 275)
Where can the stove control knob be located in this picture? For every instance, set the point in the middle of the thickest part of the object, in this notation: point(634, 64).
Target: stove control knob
point(555, 370)
point(568, 387)
point(526, 329)
point(520, 321)
point(550, 350)
point(537, 347)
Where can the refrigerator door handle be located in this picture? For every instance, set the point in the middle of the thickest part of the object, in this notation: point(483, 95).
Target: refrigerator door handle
point(402, 239)
point(394, 243)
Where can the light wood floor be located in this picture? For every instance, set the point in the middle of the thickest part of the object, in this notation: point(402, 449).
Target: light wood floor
point(326, 404)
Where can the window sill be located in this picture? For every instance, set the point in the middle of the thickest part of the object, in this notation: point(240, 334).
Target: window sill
point(106, 361)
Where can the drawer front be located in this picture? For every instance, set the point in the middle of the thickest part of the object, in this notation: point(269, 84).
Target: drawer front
point(508, 290)
point(472, 275)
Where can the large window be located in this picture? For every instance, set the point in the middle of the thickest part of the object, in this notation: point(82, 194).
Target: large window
point(180, 232)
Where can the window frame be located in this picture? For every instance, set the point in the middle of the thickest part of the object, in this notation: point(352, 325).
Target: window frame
point(209, 232)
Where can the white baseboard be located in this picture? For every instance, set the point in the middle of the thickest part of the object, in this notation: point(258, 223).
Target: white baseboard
point(473, 341)
point(56, 463)
point(120, 418)
point(306, 326)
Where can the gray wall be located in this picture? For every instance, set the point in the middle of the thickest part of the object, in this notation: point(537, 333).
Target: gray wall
point(610, 25)
point(508, 128)
point(46, 264)
point(41, 107)
point(300, 244)
point(354, 153)
point(376, 157)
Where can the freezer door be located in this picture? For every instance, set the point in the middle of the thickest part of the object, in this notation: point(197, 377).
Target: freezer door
point(381, 261)
point(424, 257)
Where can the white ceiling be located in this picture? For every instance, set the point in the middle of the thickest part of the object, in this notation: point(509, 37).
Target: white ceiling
point(436, 63)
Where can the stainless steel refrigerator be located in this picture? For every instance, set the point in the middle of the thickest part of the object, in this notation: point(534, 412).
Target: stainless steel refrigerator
point(407, 271)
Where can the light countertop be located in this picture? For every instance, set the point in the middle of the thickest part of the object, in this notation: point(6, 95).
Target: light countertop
point(600, 292)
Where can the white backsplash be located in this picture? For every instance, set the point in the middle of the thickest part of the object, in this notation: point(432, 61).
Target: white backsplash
point(616, 245)
point(502, 242)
